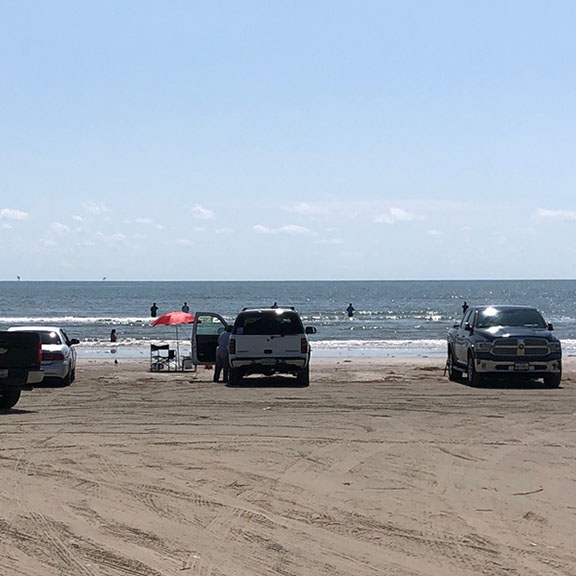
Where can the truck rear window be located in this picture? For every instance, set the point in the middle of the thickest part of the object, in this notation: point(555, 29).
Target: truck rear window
point(269, 324)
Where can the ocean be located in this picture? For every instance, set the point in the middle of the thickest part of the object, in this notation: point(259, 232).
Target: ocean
point(392, 318)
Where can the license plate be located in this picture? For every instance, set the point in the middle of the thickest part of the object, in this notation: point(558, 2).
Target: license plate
point(268, 361)
point(522, 366)
point(3, 373)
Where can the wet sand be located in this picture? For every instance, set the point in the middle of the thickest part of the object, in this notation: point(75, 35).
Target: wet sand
point(380, 467)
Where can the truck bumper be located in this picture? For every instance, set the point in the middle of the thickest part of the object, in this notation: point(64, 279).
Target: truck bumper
point(35, 377)
point(263, 365)
point(518, 366)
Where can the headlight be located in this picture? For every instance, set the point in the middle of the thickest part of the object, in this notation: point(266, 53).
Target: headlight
point(483, 346)
point(554, 346)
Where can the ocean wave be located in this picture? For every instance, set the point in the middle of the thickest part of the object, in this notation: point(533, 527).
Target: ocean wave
point(77, 320)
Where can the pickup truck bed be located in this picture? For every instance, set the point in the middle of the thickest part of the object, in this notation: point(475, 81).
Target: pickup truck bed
point(20, 365)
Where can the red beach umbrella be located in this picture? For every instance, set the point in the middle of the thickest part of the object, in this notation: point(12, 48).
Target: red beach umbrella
point(174, 319)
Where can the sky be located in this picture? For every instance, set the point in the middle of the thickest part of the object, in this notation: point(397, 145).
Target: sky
point(288, 139)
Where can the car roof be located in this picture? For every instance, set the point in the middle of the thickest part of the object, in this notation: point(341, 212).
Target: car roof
point(275, 309)
point(34, 329)
point(504, 307)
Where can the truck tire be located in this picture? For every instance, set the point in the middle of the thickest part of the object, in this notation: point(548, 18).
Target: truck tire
point(474, 379)
point(303, 377)
point(9, 398)
point(234, 377)
point(552, 380)
point(454, 374)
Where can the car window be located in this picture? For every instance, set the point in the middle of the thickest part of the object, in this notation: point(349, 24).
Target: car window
point(270, 324)
point(510, 317)
point(467, 318)
point(50, 338)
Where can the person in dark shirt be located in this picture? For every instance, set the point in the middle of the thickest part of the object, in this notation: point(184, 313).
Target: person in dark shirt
point(350, 310)
point(153, 310)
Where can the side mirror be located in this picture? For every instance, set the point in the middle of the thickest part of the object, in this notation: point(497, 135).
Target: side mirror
point(550, 326)
point(468, 328)
point(74, 341)
point(310, 330)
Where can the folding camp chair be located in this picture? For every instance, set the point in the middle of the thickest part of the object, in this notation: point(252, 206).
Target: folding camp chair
point(162, 358)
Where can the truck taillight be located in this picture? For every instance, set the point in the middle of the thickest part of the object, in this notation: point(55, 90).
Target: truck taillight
point(39, 350)
point(232, 346)
point(52, 356)
point(303, 345)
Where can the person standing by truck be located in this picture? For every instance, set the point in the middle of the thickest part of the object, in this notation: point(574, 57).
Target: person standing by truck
point(222, 363)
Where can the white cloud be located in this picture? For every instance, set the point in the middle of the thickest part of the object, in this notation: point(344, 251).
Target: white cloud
point(556, 214)
point(291, 229)
point(147, 222)
point(77, 218)
point(184, 242)
point(202, 213)
point(435, 233)
point(393, 215)
point(9, 214)
point(114, 238)
point(306, 209)
point(60, 228)
point(330, 241)
point(94, 208)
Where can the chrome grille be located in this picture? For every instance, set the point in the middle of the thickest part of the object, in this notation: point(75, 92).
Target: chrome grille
point(520, 347)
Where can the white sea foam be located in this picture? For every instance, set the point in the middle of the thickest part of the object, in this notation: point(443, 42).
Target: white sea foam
point(135, 348)
point(77, 320)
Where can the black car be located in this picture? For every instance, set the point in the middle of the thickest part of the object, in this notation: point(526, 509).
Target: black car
point(504, 340)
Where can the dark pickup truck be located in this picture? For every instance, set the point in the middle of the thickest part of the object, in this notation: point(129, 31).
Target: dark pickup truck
point(511, 341)
point(20, 365)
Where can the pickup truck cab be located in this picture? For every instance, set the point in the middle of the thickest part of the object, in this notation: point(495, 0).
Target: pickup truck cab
point(504, 340)
point(20, 365)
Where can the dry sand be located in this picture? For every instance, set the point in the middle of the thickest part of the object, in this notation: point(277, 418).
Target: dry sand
point(381, 467)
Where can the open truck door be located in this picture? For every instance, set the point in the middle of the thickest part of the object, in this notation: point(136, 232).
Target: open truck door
point(205, 331)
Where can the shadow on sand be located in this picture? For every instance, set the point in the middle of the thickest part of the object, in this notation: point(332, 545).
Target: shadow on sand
point(508, 383)
point(267, 382)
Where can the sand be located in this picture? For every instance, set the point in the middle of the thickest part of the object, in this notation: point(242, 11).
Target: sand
point(381, 466)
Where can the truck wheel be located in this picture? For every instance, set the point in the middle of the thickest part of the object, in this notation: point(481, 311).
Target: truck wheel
point(474, 379)
point(553, 380)
point(303, 377)
point(454, 374)
point(9, 399)
point(67, 380)
point(234, 377)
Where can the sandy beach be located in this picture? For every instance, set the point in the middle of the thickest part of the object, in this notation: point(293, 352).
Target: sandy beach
point(380, 467)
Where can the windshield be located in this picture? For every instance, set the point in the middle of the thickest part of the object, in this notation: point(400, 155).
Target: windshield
point(528, 318)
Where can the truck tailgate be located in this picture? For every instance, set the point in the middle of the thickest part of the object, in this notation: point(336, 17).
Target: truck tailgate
point(20, 350)
point(262, 346)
